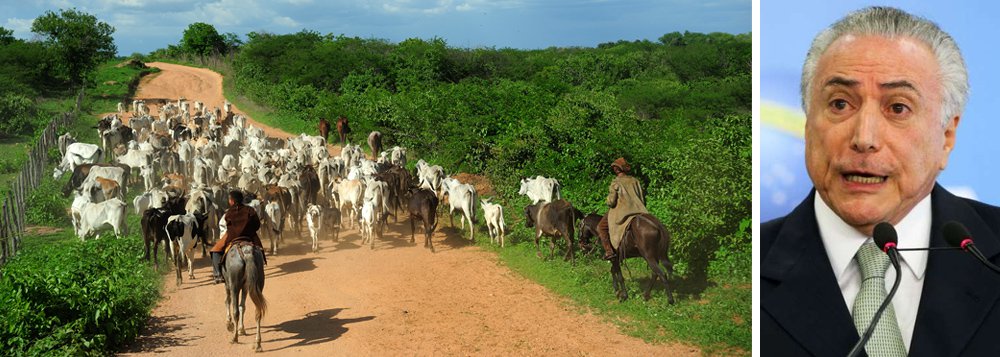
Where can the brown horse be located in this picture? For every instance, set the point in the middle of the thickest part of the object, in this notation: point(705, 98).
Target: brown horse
point(645, 237)
point(343, 128)
point(588, 231)
point(324, 129)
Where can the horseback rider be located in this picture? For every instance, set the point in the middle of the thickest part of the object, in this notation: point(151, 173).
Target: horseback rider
point(625, 199)
point(241, 224)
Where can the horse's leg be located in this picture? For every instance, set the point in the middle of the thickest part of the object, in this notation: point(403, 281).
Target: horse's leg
point(229, 306)
point(658, 274)
point(617, 280)
point(243, 305)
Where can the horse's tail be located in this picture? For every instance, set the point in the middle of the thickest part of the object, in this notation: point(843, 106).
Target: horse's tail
point(255, 280)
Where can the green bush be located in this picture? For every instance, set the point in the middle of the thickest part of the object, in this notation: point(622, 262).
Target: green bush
point(46, 206)
point(75, 299)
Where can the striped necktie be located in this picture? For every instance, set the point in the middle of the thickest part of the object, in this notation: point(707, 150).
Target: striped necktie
point(886, 340)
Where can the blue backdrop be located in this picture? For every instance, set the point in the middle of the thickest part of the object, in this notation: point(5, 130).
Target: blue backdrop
point(786, 30)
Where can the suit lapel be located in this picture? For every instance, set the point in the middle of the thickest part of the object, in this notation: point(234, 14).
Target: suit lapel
point(806, 299)
point(959, 291)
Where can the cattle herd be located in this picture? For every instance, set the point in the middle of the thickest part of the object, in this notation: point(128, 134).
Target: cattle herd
point(187, 159)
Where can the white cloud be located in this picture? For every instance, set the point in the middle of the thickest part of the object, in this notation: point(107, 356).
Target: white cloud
point(285, 21)
point(21, 27)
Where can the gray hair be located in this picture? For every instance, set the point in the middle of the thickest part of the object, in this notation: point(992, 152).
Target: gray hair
point(891, 23)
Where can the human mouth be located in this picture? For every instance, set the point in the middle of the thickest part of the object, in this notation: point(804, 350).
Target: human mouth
point(865, 178)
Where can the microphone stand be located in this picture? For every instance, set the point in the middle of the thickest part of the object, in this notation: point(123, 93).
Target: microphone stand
point(860, 346)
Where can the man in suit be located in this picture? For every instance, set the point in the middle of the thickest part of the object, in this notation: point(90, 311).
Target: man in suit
point(883, 92)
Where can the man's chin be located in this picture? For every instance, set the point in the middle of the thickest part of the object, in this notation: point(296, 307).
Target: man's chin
point(861, 216)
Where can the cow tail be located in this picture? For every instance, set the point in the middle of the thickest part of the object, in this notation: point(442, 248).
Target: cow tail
point(503, 225)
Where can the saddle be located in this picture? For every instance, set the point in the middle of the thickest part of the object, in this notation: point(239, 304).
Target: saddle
point(238, 242)
point(628, 230)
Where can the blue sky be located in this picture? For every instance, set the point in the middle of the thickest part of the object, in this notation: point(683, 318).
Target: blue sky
point(146, 25)
point(787, 28)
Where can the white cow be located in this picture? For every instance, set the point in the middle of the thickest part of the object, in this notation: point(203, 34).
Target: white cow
point(397, 156)
point(314, 217)
point(95, 217)
point(461, 197)
point(540, 189)
point(275, 218)
point(77, 154)
point(64, 141)
point(430, 176)
point(494, 221)
point(368, 222)
point(154, 198)
point(350, 192)
point(180, 236)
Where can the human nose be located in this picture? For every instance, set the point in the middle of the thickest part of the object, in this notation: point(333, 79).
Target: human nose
point(866, 136)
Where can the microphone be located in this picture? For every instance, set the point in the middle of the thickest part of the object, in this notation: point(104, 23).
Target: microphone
point(885, 238)
point(957, 236)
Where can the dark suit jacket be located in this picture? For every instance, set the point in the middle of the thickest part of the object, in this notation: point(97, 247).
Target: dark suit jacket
point(803, 311)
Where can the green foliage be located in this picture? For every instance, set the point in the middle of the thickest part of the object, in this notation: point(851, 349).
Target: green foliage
point(16, 113)
point(75, 299)
point(46, 206)
point(202, 39)
point(77, 39)
point(6, 36)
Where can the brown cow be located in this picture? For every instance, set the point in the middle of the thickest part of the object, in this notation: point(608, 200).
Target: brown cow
point(554, 219)
point(343, 128)
point(324, 129)
point(109, 187)
point(375, 143)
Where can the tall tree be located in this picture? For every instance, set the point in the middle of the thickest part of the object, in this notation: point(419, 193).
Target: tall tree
point(202, 39)
point(79, 41)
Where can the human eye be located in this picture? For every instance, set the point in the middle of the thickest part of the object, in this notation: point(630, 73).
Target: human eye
point(899, 108)
point(839, 105)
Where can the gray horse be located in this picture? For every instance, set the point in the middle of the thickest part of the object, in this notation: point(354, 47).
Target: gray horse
point(244, 273)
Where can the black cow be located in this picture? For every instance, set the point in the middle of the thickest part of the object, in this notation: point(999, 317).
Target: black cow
point(423, 206)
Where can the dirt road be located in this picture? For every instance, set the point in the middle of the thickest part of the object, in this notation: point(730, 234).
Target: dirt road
point(398, 299)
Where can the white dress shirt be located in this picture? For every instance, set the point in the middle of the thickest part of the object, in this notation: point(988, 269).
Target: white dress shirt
point(842, 242)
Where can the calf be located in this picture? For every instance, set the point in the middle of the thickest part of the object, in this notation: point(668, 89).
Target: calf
point(423, 206)
point(494, 221)
point(554, 219)
point(350, 192)
point(368, 217)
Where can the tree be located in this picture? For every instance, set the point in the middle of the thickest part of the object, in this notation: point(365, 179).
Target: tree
point(6, 36)
point(79, 41)
point(202, 39)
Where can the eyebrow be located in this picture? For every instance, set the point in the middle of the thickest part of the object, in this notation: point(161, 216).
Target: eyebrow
point(844, 82)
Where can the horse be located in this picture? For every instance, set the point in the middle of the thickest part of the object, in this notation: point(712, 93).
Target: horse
point(343, 128)
point(645, 237)
point(324, 129)
point(244, 273)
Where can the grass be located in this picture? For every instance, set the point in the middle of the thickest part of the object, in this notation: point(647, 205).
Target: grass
point(716, 318)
